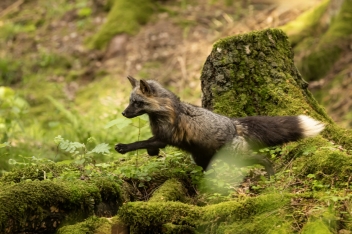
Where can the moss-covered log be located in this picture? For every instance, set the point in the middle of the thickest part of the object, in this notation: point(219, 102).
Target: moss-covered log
point(171, 190)
point(42, 206)
point(145, 217)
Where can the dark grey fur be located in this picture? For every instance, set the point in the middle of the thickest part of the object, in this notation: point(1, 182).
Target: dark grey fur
point(202, 132)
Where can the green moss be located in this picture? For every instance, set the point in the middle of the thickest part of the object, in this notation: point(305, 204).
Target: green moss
point(36, 172)
point(43, 203)
point(124, 17)
point(170, 228)
point(152, 216)
point(306, 24)
point(227, 213)
point(316, 226)
point(339, 135)
point(268, 222)
point(171, 190)
point(323, 221)
point(320, 156)
point(89, 226)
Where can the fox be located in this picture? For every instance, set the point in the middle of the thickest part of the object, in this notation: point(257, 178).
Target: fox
point(204, 133)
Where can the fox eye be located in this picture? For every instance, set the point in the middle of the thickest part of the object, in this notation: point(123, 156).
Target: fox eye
point(138, 103)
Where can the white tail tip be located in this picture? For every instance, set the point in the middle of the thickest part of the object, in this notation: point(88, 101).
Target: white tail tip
point(310, 126)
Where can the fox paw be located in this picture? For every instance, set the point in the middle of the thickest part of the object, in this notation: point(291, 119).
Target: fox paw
point(121, 148)
point(153, 151)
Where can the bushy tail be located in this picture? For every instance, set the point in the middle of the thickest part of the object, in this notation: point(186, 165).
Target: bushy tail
point(263, 131)
point(310, 126)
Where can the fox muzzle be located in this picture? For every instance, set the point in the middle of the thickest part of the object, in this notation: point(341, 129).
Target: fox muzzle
point(131, 112)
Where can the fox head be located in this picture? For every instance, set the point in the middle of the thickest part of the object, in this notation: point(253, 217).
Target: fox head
point(149, 97)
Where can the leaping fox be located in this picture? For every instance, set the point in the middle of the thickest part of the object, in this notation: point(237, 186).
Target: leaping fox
point(203, 133)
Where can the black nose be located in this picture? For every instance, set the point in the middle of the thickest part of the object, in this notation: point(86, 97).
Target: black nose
point(124, 114)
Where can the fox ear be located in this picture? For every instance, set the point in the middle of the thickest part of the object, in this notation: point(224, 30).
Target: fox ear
point(133, 81)
point(145, 88)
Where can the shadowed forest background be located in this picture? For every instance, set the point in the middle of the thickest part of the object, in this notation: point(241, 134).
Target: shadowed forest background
point(63, 86)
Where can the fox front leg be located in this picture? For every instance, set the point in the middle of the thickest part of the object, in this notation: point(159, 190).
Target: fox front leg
point(152, 145)
point(153, 151)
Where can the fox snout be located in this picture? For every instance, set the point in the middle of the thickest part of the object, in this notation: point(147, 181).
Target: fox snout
point(131, 112)
point(128, 114)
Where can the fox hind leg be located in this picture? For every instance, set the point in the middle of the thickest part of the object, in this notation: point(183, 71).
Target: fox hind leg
point(247, 157)
point(261, 160)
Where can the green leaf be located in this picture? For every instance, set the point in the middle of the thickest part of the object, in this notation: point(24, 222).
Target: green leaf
point(102, 148)
point(4, 145)
point(58, 139)
point(120, 123)
point(138, 122)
